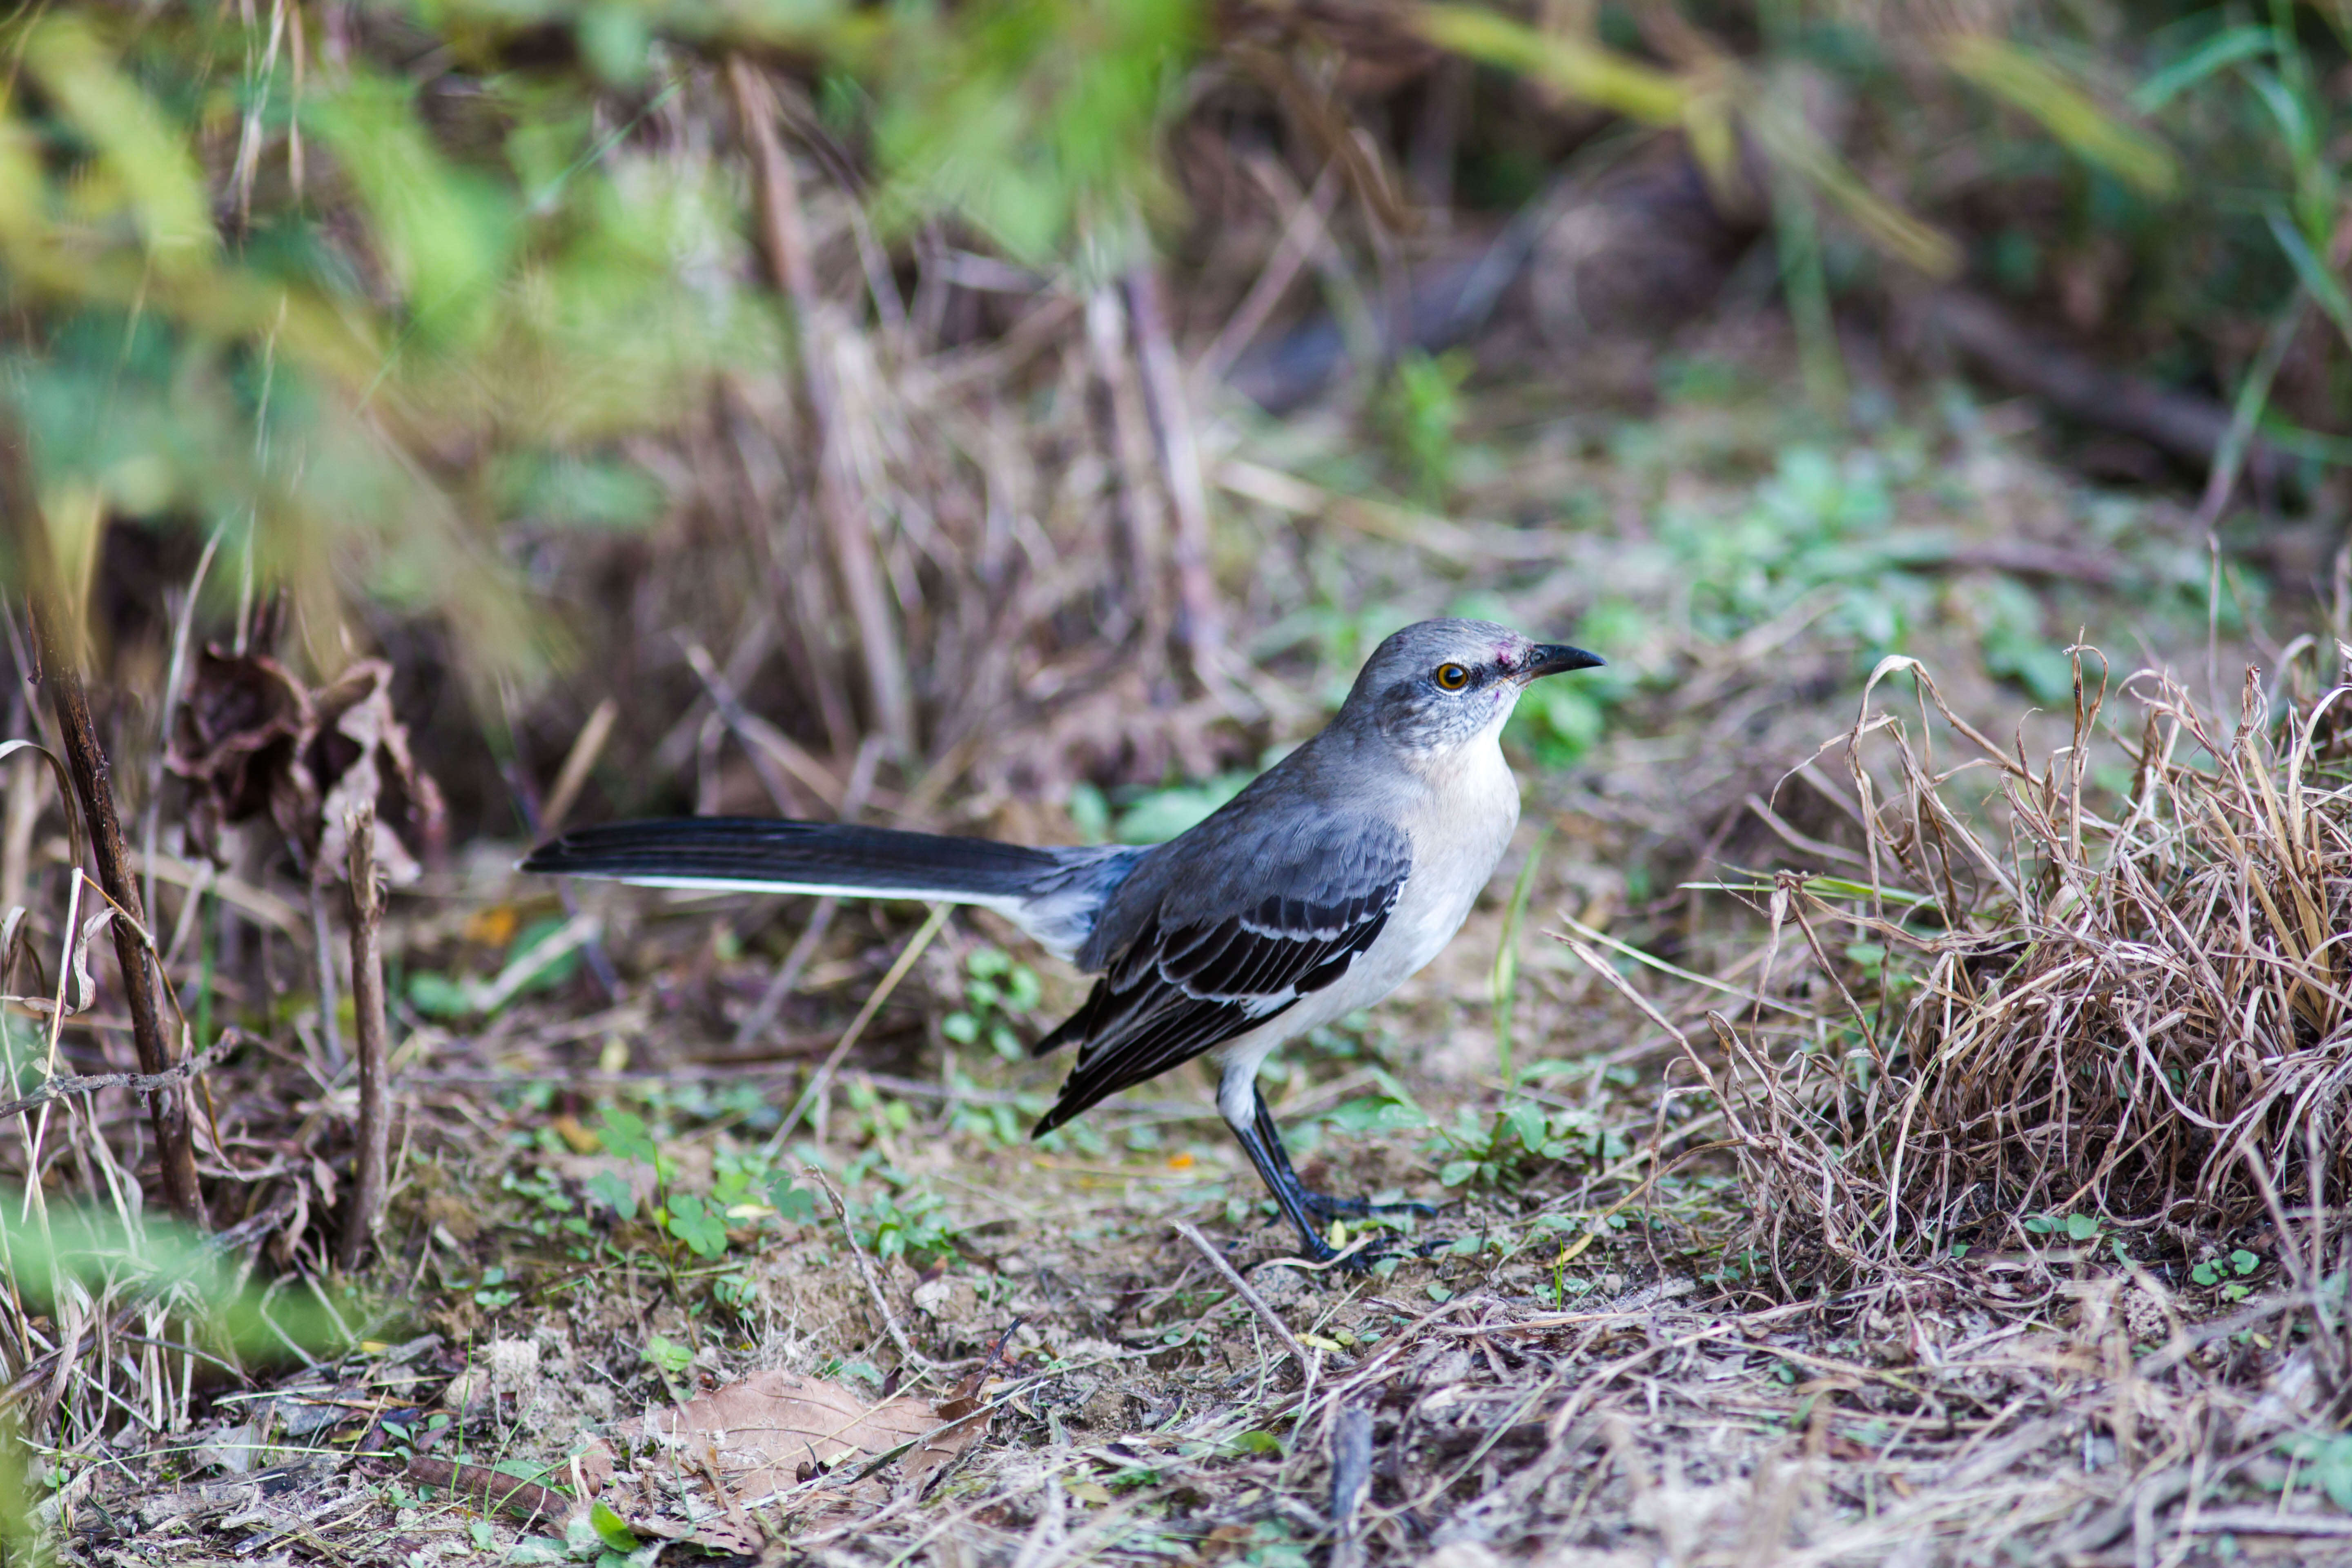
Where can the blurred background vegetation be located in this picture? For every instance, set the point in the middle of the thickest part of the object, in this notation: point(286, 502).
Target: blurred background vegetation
point(905, 352)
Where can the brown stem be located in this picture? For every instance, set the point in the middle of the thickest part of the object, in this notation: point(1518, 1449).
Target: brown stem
point(58, 667)
point(784, 237)
point(367, 1007)
point(1199, 622)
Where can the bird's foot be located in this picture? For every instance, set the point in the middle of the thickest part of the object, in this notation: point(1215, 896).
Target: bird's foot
point(1364, 1249)
point(1326, 1208)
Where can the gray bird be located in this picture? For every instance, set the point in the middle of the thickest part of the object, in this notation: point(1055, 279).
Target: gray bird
point(1317, 890)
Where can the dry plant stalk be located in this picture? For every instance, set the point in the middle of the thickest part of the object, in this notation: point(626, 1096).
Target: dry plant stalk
point(2135, 1009)
point(58, 667)
point(374, 1160)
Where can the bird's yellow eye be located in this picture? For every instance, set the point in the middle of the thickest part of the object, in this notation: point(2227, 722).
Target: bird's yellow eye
point(1452, 676)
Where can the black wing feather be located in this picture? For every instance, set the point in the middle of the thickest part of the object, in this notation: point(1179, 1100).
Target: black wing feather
point(1193, 976)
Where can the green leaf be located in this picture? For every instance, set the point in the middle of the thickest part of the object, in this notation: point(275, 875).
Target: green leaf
point(616, 1194)
point(2029, 82)
point(668, 1357)
point(1370, 1115)
point(961, 1027)
point(1457, 1172)
point(2203, 1274)
point(694, 1221)
point(1525, 1118)
point(611, 1528)
point(2081, 1227)
point(2245, 1262)
point(623, 1133)
point(2225, 49)
point(560, 965)
point(2041, 1225)
point(1561, 60)
point(790, 1202)
point(442, 233)
point(147, 156)
point(438, 996)
point(2320, 283)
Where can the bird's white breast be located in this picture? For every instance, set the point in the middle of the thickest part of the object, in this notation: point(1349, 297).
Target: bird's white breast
point(1459, 825)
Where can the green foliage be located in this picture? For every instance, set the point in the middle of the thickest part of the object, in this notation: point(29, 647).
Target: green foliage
point(1154, 816)
point(1421, 415)
point(745, 1189)
point(668, 1356)
point(53, 1251)
point(888, 1227)
point(998, 993)
point(2219, 1272)
point(2329, 1455)
point(1558, 720)
point(1035, 121)
point(1504, 1149)
point(2074, 1226)
point(543, 956)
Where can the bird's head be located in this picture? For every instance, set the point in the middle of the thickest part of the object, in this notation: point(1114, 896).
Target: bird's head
point(1436, 686)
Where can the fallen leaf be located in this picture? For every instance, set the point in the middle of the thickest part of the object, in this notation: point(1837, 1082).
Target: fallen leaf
point(766, 1428)
point(252, 740)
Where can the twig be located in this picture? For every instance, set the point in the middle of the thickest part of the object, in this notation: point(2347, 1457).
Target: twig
point(1199, 621)
point(137, 1082)
point(585, 749)
point(1352, 1482)
point(896, 1331)
point(491, 1491)
point(56, 651)
point(784, 236)
point(823, 1074)
point(368, 1025)
point(1242, 1288)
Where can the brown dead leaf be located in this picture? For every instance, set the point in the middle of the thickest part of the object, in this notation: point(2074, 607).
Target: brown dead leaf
point(766, 1428)
point(252, 740)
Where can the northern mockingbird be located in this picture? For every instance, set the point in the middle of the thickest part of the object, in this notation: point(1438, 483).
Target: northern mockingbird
point(1315, 891)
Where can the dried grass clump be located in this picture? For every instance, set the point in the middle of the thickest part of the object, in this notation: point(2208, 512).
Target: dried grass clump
point(2132, 1010)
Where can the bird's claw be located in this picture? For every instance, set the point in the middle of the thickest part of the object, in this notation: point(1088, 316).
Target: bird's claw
point(1326, 1208)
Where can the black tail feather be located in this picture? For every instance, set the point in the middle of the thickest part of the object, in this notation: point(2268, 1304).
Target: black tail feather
point(753, 852)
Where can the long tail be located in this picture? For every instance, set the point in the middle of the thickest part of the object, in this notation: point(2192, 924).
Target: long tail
point(774, 856)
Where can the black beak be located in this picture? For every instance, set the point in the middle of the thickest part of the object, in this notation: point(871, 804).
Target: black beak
point(1557, 659)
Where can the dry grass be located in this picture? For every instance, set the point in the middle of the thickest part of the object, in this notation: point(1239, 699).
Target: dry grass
point(2119, 1004)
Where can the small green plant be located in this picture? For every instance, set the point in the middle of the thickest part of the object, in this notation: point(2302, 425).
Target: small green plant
point(908, 1224)
point(1502, 1149)
point(996, 992)
point(2074, 1226)
point(742, 1189)
point(666, 1356)
point(2219, 1272)
point(2329, 1458)
point(1420, 416)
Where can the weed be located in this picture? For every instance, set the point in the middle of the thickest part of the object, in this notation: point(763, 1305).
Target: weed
point(1503, 1149)
point(997, 992)
point(1420, 416)
point(2218, 1271)
point(743, 1189)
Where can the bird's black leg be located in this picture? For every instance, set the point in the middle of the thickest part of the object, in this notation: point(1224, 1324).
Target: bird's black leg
point(1322, 1205)
point(1261, 1142)
point(1308, 1212)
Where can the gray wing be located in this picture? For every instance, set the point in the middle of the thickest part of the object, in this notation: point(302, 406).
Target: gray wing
point(1222, 939)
